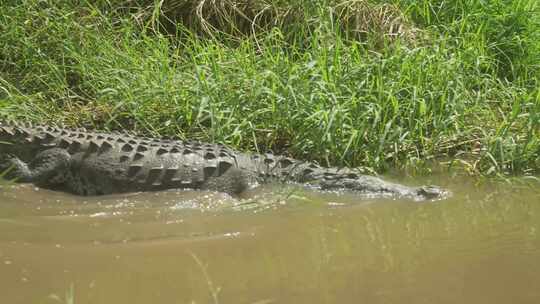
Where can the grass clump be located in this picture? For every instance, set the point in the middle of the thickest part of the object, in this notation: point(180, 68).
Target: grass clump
point(296, 19)
point(359, 83)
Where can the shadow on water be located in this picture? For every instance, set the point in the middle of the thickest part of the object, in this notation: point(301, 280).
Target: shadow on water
point(275, 245)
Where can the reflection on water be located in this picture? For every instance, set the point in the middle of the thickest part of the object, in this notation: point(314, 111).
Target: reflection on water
point(275, 245)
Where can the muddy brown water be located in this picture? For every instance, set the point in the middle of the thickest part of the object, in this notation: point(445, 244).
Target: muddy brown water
point(275, 245)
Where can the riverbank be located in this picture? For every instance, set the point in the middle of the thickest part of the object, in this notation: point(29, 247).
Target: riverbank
point(357, 83)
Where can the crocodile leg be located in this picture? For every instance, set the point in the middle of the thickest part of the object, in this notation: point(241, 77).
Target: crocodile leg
point(48, 168)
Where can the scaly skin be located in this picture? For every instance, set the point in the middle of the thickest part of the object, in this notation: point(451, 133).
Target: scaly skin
point(93, 163)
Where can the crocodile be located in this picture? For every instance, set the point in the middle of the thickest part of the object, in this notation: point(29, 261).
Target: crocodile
point(85, 162)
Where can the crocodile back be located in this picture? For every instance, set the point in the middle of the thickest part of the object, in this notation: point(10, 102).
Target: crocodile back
point(25, 140)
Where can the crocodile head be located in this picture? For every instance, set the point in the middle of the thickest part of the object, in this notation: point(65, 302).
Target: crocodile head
point(372, 185)
point(431, 193)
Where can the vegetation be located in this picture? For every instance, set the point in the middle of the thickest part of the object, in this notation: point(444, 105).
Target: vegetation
point(369, 83)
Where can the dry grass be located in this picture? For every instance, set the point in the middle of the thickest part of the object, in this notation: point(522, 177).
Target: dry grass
point(247, 18)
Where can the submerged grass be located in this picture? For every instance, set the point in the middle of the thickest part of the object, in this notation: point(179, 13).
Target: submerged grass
point(378, 84)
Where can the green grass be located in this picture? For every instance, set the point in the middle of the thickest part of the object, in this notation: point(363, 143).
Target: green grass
point(358, 83)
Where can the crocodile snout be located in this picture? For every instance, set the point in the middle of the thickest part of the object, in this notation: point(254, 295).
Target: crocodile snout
point(432, 193)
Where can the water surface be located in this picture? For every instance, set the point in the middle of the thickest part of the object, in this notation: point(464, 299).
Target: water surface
point(275, 245)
